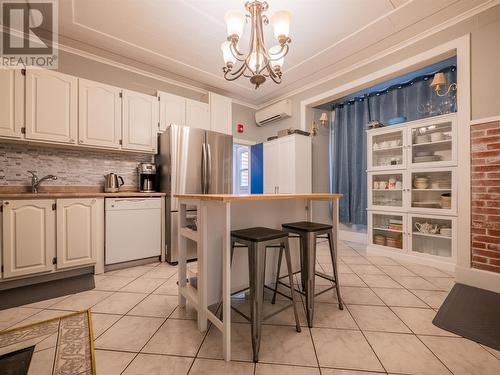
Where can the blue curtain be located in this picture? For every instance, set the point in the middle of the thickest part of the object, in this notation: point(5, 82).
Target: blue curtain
point(413, 100)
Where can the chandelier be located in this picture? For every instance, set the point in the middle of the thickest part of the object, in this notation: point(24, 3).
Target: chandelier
point(258, 63)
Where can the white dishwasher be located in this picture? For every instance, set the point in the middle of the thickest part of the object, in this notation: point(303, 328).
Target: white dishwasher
point(133, 229)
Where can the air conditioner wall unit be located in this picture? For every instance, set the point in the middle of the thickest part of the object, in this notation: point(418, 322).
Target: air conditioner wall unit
point(274, 112)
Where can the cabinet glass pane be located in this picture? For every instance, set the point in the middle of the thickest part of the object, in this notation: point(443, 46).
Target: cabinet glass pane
point(388, 230)
point(387, 149)
point(431, 190)
point(387, 190)
point(432, 143)
point(431, 236)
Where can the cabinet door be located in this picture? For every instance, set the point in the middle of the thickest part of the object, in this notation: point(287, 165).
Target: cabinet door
point(79, 224)
point(386, 148)
point(388, 230)
point(100, 118)
point(220, 114)
point(29, 237)
point(51, 106)
point(286, 165)
point(140, 121)
point(172, 110)
point(271, 155)
point(11, 103)
point(197, 114)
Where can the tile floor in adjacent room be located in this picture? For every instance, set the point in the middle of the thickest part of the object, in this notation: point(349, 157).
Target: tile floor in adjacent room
point(385, 328)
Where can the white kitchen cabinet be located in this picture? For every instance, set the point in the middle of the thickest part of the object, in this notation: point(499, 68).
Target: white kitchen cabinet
point(11, 103)
point(51, 106)
point(220, 113)
point(172, 110)
point(29, 237)
point(197, 114)
point(140, 121)
point(287, 165)
point(99, 114)
point(79, 231)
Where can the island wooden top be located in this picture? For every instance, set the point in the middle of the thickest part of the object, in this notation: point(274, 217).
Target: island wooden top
point(255, 197)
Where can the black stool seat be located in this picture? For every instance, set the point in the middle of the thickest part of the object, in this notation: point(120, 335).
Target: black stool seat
point(307, 226)
point(258, 234)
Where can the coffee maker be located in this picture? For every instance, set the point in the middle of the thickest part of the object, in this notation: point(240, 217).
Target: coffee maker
point(147, 177)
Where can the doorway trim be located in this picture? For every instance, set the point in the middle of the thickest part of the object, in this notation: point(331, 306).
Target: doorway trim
point(460, 48)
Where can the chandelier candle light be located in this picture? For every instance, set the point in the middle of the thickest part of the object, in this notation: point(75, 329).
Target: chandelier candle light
point(258, 63)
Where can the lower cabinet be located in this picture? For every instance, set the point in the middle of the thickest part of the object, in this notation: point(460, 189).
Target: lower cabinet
point(44, 235)
point(79, 231)
point(29, 237)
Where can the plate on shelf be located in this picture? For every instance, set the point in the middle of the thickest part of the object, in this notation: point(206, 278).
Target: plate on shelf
point(427, 204)
point(426, 159)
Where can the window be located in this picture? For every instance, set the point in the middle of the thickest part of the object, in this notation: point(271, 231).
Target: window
point(241, 169)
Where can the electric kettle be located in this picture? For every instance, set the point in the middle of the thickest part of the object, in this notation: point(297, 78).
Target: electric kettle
point(111, 184)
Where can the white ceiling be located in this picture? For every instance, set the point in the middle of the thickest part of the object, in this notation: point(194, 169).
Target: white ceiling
point(184, 36)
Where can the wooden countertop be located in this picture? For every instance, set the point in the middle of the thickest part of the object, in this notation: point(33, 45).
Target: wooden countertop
point(255, 197)
point(22, 192)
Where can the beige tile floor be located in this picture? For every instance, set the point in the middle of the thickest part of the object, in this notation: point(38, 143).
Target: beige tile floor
point(385, 328)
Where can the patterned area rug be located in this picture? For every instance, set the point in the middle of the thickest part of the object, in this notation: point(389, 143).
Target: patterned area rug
point(63, 346)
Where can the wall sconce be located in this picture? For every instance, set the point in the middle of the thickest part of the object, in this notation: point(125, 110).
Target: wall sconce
point(440, 80)
point(323, 120)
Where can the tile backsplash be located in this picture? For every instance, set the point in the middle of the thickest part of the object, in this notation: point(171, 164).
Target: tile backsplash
point(72, 167)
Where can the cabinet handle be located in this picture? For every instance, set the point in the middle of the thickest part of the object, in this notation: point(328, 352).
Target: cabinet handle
point(5, 203)
point(80, 141)
point(72, 140)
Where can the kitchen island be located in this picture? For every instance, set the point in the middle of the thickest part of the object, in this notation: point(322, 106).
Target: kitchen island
point(217, 215)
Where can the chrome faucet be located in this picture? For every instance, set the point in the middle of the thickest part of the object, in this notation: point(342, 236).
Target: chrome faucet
point(35, 181)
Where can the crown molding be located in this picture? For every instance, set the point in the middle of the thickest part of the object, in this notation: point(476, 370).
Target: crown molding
point(408, 42)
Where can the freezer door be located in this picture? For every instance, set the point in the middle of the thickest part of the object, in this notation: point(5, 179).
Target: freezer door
point(179, 159)
point(220, 163)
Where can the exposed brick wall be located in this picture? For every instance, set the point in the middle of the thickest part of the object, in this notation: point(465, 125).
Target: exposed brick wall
point(485, 181)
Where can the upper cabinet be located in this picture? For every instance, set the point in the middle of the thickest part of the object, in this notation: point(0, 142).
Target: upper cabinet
point(172, 110)
point(11, 103)
point(51, 106)
point(140, 121)
point(100, 117)
point(197, 114)
point(220, 114)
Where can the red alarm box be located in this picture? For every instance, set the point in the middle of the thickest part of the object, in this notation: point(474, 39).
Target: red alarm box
point(240, 128)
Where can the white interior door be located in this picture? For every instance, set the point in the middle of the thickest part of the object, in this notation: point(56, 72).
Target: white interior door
point(140, 121)
point(51, 106)
point(79, 228)
point(28, 237)
point(11, 103)
point(100, 117)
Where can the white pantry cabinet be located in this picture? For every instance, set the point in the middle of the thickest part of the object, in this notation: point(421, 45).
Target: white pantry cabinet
point(29, 237)
point(172, 110)
point(197, 114)
point(79, 231)
point(51, 106)
point(287, 165)
point(11, 103)
point(221, 118)
point(140, 121)
point(99, 114)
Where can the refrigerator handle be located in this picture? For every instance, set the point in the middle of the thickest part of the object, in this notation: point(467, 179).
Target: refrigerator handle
point(208, 167)
point(203, 168)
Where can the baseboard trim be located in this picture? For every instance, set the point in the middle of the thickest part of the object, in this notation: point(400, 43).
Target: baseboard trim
point(478, 278)
point(375, 250)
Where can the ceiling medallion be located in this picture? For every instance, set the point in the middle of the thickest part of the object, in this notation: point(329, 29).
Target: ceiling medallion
point(258, 63)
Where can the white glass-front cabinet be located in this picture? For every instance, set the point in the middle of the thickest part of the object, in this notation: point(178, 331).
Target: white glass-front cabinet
point(29, 237)
point(51, 106)
point(139, 121)
point(11, 103)
point(100, 118)
point(412, 183)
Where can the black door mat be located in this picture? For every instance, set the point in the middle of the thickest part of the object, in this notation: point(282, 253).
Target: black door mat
point(16, 363)
point(47, 290)
point(472, 313)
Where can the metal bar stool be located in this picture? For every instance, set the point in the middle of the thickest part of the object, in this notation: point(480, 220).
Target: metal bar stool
point(308, 232)
point(257, 240)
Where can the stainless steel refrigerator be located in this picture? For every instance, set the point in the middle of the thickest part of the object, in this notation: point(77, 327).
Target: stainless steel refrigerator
point(191, 160)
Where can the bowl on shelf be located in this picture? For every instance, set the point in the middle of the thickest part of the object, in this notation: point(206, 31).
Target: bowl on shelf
point(421, 182)
point(424, 153)
point(422, 138)
point(437, 136)
point(445, 231)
